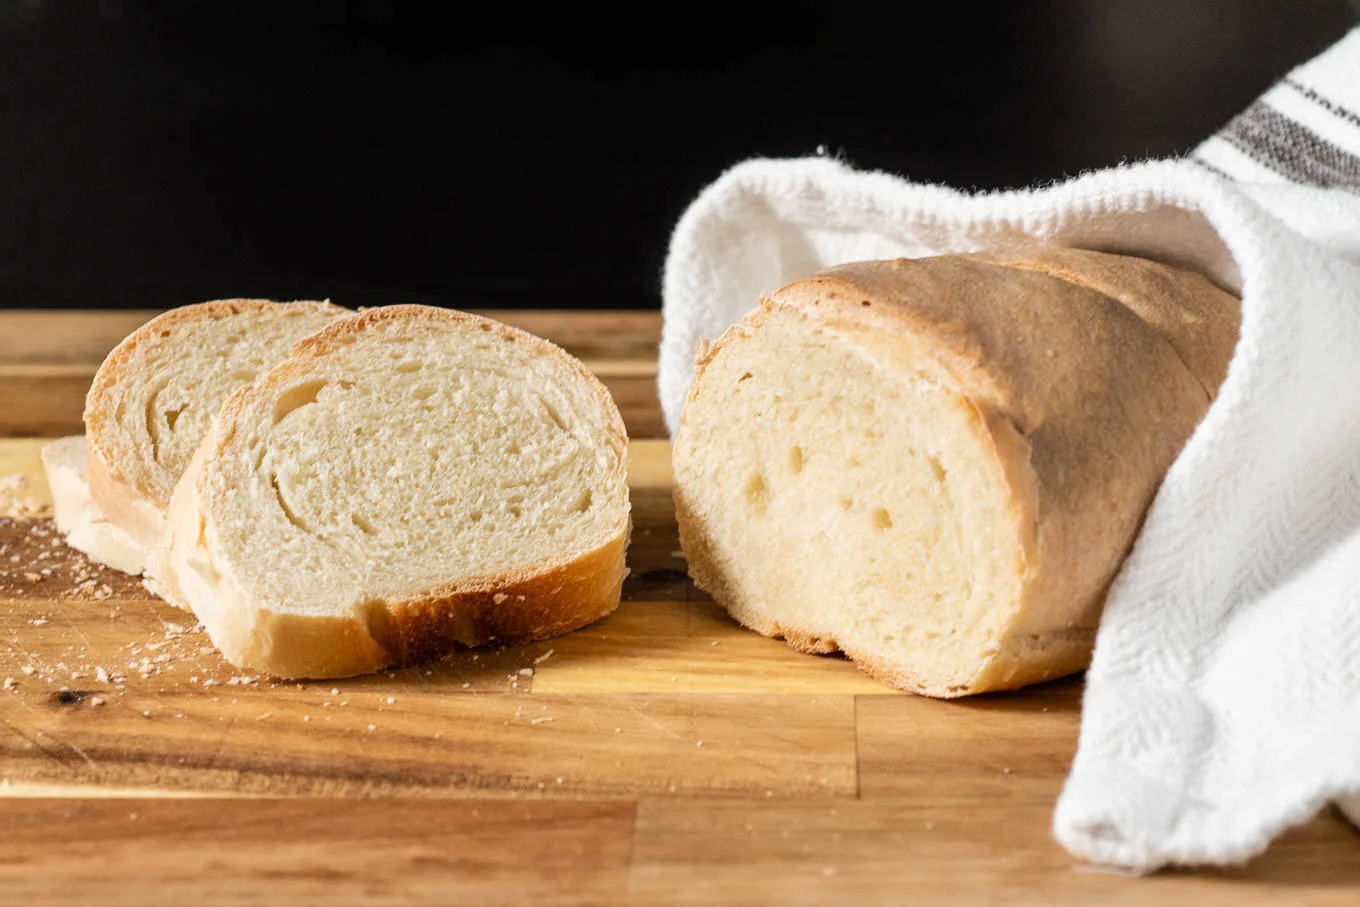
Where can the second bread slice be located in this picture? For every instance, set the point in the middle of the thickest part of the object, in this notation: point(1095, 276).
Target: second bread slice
point(153, 397)
point(412, 479)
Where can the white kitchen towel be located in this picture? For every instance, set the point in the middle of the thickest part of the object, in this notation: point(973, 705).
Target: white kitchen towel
point(1223, 701)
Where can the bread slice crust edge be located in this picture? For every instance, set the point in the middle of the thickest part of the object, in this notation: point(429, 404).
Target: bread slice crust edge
point(513, 608)
point(550, 598)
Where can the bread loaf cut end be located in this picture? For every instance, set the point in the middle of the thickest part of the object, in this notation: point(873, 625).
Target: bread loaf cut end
point(862, 512)
point(937, 466)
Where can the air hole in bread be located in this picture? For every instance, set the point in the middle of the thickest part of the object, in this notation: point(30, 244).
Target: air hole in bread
point(795, 459)
point(410, 365)
point(846, 503)
point(296, 397)
point(757, 492)
point(745, 377)
point(172, 416)
point(284, 506)
point(554, 415)
point(363, 524)
point(245, 376)
point(583, 503)
point(880, 519)
point(153, 428)
point(423, 391)
point(938, 469)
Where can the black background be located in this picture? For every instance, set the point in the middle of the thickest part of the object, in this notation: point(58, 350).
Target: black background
point(158, 153)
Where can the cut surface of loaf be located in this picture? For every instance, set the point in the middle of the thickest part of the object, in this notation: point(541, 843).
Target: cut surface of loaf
point(155, 394)
point(410, 480)
point(938, 465)
point(76, 515)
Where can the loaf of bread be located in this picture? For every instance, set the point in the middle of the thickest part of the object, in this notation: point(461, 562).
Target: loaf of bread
point(156, 393)
point(76, 515)
point(409, 480)
point(937, 466)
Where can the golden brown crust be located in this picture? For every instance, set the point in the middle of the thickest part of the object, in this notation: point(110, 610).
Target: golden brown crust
point(1199, 321)
point(522, 607)
point(1089, 372)
point(528, 607)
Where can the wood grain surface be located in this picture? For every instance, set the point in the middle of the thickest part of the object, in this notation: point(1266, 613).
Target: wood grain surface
point(663, 755)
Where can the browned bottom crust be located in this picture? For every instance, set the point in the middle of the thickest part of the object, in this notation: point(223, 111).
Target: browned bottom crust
point(390, 634)
point(539, 607)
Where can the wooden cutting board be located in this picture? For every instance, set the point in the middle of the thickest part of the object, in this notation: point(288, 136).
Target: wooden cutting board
point(662, 755)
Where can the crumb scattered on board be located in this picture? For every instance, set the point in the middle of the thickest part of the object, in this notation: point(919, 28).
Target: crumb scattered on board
point(16, 500)
point(34, 558)
point(36, 562)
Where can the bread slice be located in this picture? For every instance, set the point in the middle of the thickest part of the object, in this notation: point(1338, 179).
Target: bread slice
point(410, 480)
point(154, 396)
point(937, 466)
point(76, 515)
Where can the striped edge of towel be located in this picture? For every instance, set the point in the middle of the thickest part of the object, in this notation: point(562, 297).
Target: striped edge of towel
point(1305, 130)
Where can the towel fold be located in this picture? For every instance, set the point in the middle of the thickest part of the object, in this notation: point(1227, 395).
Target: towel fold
point(1223, 700)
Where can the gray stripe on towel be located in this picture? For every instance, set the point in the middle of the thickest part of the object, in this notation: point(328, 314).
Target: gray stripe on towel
point(1275, 141)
